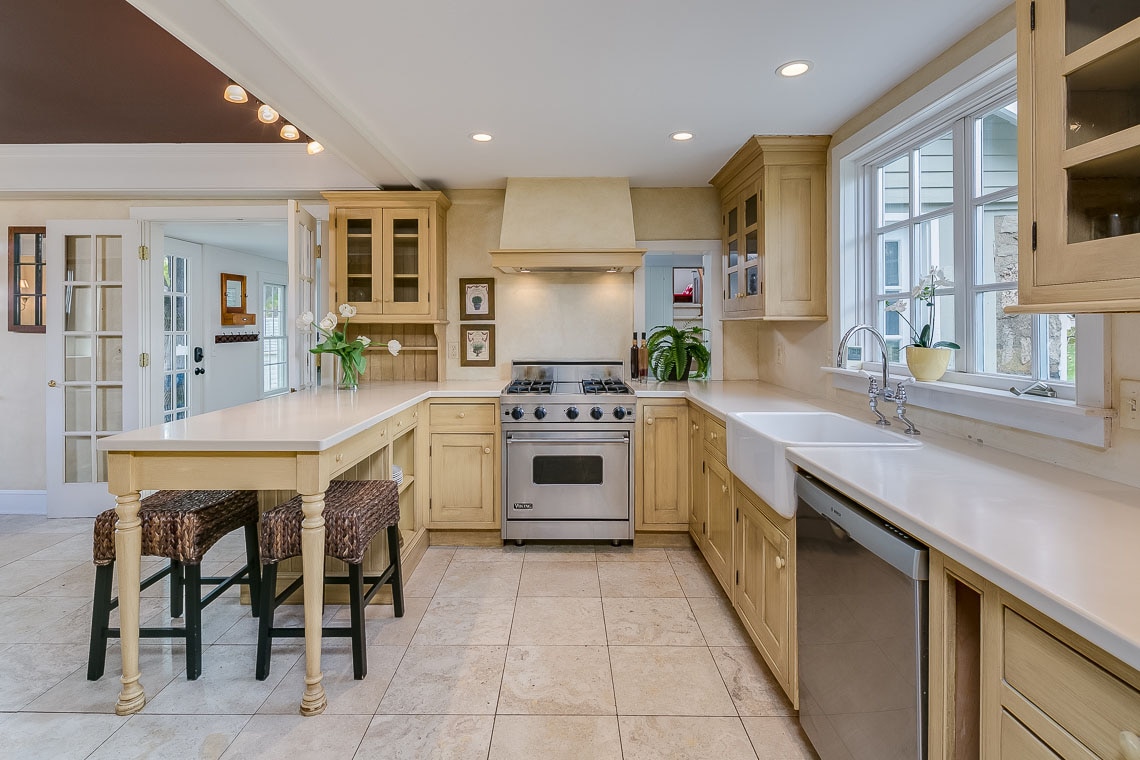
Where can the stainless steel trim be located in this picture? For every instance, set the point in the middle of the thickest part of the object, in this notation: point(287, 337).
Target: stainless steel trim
point(512, 438)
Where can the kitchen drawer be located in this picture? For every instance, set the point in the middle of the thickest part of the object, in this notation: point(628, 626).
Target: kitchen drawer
point(716, 436)
point(1090, 703)
point(463, 416)
point(403, 421)
point(1019, 743)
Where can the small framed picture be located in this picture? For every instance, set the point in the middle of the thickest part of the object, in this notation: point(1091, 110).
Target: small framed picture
point(476, 345)
point(477, 296)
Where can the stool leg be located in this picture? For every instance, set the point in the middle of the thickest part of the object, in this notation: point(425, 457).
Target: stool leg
point(397, 579)
point(193, 585)
point(356, 608)
point(100, 619)
point(253, 569)
point(177, 588)
point(265, 624)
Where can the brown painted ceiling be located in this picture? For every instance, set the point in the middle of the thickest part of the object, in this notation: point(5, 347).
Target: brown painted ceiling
point(99, 71)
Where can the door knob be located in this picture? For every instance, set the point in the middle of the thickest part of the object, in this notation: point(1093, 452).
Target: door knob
point(486, 449)
point(723, 488)
point(780, 562)
point(52, 383)
point(649, 421)
point(199, 371)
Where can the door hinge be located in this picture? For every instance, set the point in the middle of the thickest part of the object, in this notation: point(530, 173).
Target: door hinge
point(144, 253)
point(737, 577)
point(317, 255)
point(738, 514)
point(1032, 16)
point(704, 529)
point(1033, 237)
point(702, 466)
point(144, 360)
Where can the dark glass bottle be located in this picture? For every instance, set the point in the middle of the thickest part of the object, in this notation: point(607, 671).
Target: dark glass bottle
point(634, 359)
point(643, 357)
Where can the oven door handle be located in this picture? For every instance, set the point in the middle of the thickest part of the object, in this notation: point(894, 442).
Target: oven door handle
point(564, 441)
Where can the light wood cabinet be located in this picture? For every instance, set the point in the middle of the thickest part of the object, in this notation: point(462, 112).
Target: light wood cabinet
point(465, 460)
point(388, 257)
point(699, 506)
point(1078, 65)
point(716, 483)
point(663, 498)
point(764, 589)
point(773, 196)
point(1008, 682)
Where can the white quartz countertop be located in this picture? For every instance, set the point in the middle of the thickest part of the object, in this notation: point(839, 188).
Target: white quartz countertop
point(312, 420)
point(1063, 541)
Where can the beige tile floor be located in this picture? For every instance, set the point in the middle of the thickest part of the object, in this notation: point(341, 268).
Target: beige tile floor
point(541, 651)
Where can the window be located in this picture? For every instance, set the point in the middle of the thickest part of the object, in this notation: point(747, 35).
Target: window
point(175, 338)
point(274, 353)
point(947, 198)
point(26, 279)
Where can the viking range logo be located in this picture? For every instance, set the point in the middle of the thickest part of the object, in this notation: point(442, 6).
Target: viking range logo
point(523, 505)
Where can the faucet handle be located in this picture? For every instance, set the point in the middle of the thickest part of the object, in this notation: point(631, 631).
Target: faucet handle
point(873, 387)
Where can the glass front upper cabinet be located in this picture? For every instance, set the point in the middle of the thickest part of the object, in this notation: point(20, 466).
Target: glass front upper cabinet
point(1079, 71)
point(743, 255)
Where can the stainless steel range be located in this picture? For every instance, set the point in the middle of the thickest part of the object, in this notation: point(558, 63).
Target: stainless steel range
point(568, 438)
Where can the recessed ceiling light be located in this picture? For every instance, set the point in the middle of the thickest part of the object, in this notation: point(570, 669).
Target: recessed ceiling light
point(681, 136)
point(481, 137)
point(235, 93)
point(289, 132)
point(267, 114)
point(794, 68)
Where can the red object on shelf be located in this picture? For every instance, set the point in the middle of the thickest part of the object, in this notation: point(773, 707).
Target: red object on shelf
point(685, 296)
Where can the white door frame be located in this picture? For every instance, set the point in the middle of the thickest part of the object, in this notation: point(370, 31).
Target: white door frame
point(89, 498)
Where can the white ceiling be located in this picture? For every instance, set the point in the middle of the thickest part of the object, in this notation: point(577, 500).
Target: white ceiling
point(583, 88)
point(267, 239)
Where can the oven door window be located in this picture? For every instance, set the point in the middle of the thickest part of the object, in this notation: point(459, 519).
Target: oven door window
point(567, 470)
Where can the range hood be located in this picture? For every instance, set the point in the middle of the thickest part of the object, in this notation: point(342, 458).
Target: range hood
point(581, 224)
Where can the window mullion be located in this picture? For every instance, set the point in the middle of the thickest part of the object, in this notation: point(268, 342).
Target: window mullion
point(964, 243)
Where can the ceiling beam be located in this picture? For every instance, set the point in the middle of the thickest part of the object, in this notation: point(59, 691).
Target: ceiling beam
point(239, 46)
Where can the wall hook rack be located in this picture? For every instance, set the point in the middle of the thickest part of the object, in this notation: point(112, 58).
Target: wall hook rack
point(237, 338)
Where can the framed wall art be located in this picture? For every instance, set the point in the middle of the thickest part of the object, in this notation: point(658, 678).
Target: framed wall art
point(476, 345)
point(477, 298)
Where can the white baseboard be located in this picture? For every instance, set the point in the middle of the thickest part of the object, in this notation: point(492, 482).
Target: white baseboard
point(23, 502)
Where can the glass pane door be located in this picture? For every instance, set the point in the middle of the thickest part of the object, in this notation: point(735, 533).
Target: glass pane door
point(358, 238)
point(406, 261)
point(732, 258)
point(175, 338)
point(92, 345)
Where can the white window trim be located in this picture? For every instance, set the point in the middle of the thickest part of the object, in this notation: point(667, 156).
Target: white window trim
point(1087, 418)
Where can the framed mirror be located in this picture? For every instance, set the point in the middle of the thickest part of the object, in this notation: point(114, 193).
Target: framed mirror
point(233, 300)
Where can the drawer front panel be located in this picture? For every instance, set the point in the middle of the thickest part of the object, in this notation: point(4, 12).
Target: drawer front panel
point(463, 416)
point(405, 420)
point(716, 436)
point(1086, 700)
point(1018, 742)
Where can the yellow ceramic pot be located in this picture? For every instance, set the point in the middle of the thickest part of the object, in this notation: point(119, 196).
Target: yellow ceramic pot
point(927, 364)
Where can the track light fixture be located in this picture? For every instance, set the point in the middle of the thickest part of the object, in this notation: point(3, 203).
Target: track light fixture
point(267, 114)
point(235, 93)
point(314, 147)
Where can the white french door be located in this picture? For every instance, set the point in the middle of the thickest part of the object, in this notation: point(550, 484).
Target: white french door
point(302, 295)
point(93, 368)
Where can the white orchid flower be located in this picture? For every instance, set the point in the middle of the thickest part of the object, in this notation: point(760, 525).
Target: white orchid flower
point(938, 278)
point(901, 305)
point(919, 290)
point(394, 347)
point(348, 311)
point(328, 323)
point(305, 320)
point(363, 340)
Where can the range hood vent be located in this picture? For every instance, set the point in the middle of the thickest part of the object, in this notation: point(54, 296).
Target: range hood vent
point(581, 224)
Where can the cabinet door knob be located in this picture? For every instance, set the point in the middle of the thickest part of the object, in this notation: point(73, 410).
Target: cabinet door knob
point(1130, 745)
point(713, 435)
point(649, 421)
point(723, 488)
point(462, 415)
point(486, 449)
point(780, 562)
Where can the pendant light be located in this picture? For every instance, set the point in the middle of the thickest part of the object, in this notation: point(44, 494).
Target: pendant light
point(289, 132)
point(267, 114)
point(235, 93)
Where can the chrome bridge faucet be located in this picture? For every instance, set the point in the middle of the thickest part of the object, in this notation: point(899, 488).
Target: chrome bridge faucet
point(874, 391)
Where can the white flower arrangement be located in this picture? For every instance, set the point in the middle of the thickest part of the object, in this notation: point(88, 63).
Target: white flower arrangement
point(351, 352)
point(926, 292)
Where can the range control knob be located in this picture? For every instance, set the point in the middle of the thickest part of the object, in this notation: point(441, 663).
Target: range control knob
point(572, 412)
point(540, 412)
point(619, 413)
point(517, 413)
point(596, 412)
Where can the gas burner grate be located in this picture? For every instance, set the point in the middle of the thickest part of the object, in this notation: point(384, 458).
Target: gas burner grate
point(530, 386)
point(607, 385)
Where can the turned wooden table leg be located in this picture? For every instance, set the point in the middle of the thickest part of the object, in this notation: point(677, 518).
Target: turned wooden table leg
point(313, 560)
point(128, 558)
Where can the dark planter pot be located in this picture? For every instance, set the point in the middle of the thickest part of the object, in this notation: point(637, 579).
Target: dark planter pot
point(684, 375)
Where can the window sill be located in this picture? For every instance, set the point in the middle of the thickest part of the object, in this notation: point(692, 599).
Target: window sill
point(1047, 416)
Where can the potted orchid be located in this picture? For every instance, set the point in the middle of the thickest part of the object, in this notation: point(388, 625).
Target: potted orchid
point(350, 352)
point(927, 359)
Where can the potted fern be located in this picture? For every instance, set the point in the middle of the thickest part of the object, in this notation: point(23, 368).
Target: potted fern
point(672, 351)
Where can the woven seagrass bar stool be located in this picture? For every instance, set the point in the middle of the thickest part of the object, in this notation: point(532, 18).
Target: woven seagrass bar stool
point(355, 512)
point(180, 526)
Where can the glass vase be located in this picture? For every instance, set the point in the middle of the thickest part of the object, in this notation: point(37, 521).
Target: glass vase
point(349, 378)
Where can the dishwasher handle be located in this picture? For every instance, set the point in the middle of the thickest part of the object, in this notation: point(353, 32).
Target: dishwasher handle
point(870, 531)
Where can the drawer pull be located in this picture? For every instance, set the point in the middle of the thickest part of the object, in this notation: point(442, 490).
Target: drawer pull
point(780, 562)
point(486, 449)
point(1130, 745)
point(462, 415)
point(649, 421)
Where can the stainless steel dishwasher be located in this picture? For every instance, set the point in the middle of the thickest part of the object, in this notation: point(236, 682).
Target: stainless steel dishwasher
point(861, 587)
